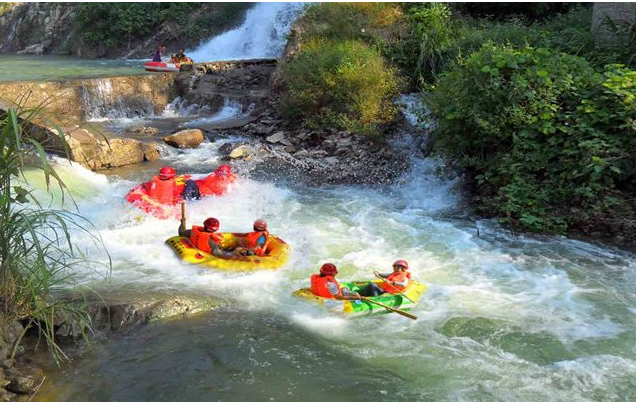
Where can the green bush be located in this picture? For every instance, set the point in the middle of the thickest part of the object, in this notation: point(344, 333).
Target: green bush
point(541, 132)
point(345, 85)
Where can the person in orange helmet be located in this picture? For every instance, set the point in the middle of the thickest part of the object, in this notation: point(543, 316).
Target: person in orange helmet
point(163, 187)
point(324, 284)
point(217, 182)
point(395, 282)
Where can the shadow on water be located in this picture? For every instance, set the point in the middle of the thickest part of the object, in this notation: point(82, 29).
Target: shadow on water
point(228, 355)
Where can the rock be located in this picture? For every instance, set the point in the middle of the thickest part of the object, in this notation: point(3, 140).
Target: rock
point(241, 152)
point(120, 152)
point(9, 333)
point(263, 130)
point(151, 151)
point(25, 381)
point(290, 149)
point(144, 130)
point(190, 138)
point(276, 137)
point(332, 160)
point(301, 154)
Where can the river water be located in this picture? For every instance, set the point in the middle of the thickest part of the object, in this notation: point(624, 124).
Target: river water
point(505, 317)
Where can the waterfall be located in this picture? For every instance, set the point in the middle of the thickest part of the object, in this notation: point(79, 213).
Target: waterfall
point(99, 103)
point(263, 34)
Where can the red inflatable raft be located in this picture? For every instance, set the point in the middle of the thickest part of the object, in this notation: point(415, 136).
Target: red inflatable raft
point(214, 184)
point(163, 66)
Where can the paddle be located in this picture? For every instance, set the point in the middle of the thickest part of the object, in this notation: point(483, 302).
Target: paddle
point(183, 219)
point(394, 287)
point(390, 308)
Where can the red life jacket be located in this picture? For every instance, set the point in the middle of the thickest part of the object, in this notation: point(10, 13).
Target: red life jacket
point(162, 191)
point(200, 238)
point(319, 285)
point(252, 238)
point(214, 184)
point(399, 277)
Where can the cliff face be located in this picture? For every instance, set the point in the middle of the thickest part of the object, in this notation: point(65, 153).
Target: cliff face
point(39, 28)
point(55, 28)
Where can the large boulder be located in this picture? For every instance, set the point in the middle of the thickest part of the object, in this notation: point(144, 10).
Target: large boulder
point(190, 138)
point(120, 152)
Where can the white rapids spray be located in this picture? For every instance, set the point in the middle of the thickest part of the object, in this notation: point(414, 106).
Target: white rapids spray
point(263, 34)
point(505, 317)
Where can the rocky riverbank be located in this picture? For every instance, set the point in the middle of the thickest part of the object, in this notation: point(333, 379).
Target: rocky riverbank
point(20, 374)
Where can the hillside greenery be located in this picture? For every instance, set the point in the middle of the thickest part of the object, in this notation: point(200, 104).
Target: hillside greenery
point(117, 24)
point(541, 120)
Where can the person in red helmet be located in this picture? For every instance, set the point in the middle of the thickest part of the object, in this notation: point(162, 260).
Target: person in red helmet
point(324, 284)
point(395, 282)
point(258, 240)
point(217, 182)
point(206, 239)
point(163, 187)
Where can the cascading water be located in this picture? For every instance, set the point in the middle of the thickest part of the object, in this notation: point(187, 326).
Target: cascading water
point(100, 104)
point(263, 34)
point(505, 317)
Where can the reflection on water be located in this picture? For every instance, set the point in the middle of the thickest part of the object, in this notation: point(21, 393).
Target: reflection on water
point(43, 68)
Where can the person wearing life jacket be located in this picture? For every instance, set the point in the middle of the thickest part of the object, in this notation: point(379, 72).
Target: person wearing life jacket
point(158, 56)
point(395, 282)
point(163, 187)
point(216, 183)
point(325, 284)
point(205, 238)
point(258, 240)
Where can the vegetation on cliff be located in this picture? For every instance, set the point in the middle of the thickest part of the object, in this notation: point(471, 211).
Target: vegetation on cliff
point(537, 114)
point(37, 254)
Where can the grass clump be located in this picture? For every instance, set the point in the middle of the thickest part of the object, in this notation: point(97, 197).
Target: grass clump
point(341, 84)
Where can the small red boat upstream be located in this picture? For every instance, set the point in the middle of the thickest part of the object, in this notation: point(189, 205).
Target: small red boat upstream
point(162, 67)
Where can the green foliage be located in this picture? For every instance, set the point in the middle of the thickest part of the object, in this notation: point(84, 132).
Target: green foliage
point(36, 252)
point(543, 133)
point(342, 84)
point(116, 24)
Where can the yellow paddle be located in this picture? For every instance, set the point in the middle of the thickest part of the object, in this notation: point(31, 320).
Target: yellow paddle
point(390, 308)
point(394, 287)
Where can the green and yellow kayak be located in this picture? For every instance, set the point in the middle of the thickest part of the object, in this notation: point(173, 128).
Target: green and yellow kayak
point(414, 291)
point(278, 252)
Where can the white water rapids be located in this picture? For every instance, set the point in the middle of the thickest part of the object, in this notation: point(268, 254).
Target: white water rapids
point(505, 317)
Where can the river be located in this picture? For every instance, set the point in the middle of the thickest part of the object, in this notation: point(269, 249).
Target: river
point(506, 317)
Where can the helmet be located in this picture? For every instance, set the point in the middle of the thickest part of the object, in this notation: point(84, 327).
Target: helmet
point(211, 224)
point(260, 225)
point(329, 269)
point(401, 262)
point(224, 170)
point(167, 173)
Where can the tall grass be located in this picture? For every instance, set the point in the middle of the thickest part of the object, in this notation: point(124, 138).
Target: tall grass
point(37, 253)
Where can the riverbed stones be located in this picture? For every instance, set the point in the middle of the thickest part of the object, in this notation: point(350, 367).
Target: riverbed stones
point(24, 380)
point(190, 138)
point(242, 151)
point(151, 151)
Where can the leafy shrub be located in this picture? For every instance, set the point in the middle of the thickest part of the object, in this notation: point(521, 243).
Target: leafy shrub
point(542, 132)
point(339, 84)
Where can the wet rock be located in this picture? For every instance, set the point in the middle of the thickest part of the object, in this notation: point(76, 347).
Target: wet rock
point(243, 151)
point(301, 154)
point(144, 130)
point(332, 160)
point(277, 137)
point(290, 149)
point(120, 152)
point(9, 333)
point(25, 380)
point(264, 130)
point(190, 138)
point(151, 151)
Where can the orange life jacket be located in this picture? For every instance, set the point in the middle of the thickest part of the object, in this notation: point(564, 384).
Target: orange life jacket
point(399, 277)
point(252, 238)
point(319, 286)
point(162, 191)
point(214, 184)
point(200, 238)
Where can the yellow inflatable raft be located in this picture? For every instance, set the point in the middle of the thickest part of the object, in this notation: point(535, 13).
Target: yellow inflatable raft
point(278, 252)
